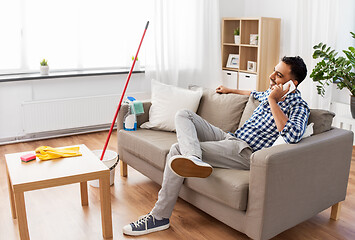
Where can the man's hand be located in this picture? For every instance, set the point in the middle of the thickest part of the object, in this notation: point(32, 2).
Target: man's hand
point(277, 93)
point(222, 89)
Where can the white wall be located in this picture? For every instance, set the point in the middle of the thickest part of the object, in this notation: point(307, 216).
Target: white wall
point(279, 9)
point(231, 8)
point(12, 94)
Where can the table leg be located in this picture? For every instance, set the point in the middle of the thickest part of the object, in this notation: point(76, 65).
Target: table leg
point(105, 199)
point(21, 212)
point(84, 193)
point(11, 195)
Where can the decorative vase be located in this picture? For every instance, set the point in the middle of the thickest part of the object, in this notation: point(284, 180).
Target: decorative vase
point(44, 70)
point(236, 39)
point(352, 106)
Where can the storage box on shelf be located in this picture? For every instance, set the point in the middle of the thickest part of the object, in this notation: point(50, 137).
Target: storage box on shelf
point(259, 43)
point(246, 81)
point(230, 79)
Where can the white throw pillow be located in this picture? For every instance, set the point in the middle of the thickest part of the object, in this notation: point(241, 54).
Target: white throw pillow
point(307, 133)
point(166, 101)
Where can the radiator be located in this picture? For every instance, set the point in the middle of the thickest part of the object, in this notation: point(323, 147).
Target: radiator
point(69, 113)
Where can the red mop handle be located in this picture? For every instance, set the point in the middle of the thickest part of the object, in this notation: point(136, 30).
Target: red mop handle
point(123, 93)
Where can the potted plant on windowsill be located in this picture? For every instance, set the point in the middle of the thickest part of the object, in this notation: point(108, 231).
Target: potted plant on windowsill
point(237, 36)
point(338, 70)
point(137, 65)
point(44, 68)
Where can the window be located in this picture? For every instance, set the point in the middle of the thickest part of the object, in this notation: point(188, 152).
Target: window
point(71, 34)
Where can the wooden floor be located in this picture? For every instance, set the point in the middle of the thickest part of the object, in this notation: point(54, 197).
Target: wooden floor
point(56, 213)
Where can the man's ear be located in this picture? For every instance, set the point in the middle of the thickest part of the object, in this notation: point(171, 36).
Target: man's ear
point(295, 82)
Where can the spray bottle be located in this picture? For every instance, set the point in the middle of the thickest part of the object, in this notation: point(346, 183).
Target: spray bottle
point(130, 119)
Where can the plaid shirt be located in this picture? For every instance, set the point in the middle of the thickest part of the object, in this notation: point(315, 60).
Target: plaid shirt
point(260, 130)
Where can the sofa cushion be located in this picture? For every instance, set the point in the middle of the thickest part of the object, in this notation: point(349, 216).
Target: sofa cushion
point(227, 186)
point(222, 110)
point(166, 101)
point(251, 105)
point(150, 145)
point(322, 120)
point(307, 133)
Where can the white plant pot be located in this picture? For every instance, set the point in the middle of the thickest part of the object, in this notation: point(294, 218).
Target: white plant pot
point(137, 66)
point(44, 70)
point(236, 39)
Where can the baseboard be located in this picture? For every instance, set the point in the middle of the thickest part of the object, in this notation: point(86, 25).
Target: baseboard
point(55, 134)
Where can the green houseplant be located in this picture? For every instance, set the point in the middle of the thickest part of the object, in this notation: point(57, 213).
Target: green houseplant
point(44, 68)
point(44, 62)
point(237, 36)
point(335, 69)
point(236, 31)
point(137, 65)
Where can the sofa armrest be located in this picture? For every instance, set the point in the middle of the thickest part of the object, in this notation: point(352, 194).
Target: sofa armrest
point(140, 119)
point(290, 183)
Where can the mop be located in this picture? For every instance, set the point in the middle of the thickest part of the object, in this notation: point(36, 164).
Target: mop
point(48, 153)
point(122, 96)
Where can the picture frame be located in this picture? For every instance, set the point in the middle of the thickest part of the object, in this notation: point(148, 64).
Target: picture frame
point(251, 66)
point(233, 61)
point(254, 39)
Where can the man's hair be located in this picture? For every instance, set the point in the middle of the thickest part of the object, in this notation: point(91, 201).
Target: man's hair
point(298, 67)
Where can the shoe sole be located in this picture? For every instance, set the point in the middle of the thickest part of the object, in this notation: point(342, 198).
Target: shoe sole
point(187, 168)
point(138, 233)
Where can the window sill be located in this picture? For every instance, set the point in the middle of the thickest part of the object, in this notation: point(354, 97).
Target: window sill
point(64, 74)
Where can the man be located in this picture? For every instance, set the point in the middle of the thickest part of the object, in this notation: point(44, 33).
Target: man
point(202, 145)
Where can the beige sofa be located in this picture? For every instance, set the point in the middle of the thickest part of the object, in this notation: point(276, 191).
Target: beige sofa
point(286, 184)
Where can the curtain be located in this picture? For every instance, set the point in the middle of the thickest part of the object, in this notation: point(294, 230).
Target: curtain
point(184, 43)
point(315, 21)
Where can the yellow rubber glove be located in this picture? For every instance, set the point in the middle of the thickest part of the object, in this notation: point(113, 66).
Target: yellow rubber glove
point(48, 153)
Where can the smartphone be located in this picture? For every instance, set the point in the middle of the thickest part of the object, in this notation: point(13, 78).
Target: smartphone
point(292, 87)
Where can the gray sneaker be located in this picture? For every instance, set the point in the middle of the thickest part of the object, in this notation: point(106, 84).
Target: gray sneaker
point(146, 224)
point(189, 167)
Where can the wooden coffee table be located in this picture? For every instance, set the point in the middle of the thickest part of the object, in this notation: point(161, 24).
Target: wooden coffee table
point(44, 174)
